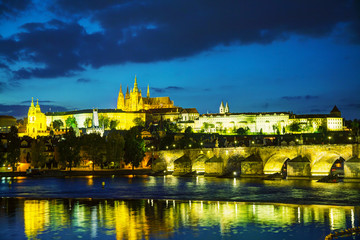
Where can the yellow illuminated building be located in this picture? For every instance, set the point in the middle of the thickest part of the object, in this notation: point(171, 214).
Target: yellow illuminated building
point(133, 100)
point(36, 125)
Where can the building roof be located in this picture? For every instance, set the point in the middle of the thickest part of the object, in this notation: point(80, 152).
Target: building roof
point(189, 110)
point(164, 110)
point(247, 113)
point(335, 110)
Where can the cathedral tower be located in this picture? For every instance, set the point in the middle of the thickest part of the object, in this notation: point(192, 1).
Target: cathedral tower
point(121, 100)
point(36, 124)
point(227, 110)
point(222, 108)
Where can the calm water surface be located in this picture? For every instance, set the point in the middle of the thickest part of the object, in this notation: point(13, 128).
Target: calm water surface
point(175, 208)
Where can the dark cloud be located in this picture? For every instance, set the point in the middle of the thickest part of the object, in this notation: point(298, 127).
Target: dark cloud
point(3, 86)
point(9, 8)
point(20, 111)
point(83, 80)
point(306, 97)
point(353, 106)
point(167, 89)
point(148, 31)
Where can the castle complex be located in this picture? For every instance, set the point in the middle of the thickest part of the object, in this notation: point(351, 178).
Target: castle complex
point(154, 109)
point(133, 101)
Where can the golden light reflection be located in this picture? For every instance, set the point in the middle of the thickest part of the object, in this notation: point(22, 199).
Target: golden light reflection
point(146, 219)
point(36, 217)
point(90, 180)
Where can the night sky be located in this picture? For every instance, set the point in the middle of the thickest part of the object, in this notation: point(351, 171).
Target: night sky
point(259, 55)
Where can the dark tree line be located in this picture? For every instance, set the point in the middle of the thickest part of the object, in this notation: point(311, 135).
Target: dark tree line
point(114, 150)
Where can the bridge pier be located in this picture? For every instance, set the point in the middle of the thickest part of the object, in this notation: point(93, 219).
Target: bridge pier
point(301, 161)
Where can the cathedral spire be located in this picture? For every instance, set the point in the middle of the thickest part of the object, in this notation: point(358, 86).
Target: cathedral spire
point(227, 108)
point(135, 86)
point(222, 108)
point(148, 92)
point(127, 92)
point(120, 100)
point(32, 102)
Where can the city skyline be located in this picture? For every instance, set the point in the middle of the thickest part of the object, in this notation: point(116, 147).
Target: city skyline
point(299, 56)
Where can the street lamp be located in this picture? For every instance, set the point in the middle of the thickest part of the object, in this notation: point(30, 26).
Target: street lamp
point(329, 139)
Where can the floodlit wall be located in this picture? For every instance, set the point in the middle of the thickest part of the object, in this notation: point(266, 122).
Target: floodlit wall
point(321, 158)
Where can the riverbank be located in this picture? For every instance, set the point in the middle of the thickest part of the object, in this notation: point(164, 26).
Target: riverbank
point(60, 173)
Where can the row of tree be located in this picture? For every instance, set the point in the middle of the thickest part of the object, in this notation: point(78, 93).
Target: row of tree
point(71, 122)
point(116, 148)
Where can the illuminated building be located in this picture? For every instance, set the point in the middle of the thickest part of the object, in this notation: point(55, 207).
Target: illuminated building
point(6, 122)
point(133, 105)
point(267, 122)
point(130, 107)
point(133, 101)
point(36, 125)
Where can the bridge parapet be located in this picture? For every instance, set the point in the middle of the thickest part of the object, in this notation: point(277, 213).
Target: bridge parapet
point(321, 157)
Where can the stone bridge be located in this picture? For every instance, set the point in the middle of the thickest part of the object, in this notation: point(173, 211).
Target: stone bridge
point(296, 161)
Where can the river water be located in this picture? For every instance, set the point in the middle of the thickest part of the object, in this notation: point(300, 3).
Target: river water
point(175, 208)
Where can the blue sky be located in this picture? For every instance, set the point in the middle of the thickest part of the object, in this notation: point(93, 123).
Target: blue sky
point(301, 56)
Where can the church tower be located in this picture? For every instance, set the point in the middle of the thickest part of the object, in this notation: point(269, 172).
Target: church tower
point(222, 108)
point(227, 108)
point(36, 124)
point(148, 92)
point(120, 100)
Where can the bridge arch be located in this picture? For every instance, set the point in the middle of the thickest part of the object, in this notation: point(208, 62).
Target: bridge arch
point(325, 163)
point(275, 164)
point(199, 163)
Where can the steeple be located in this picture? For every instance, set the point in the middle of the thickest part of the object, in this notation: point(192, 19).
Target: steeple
point(120, 100)
point(127, 92)
point(135, 86)
point(32, 102)
point(37, 106)
point(226, 107)
point(222, 108)
point(148, 92)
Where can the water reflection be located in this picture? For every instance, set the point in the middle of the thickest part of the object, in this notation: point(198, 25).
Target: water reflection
point(144, 219)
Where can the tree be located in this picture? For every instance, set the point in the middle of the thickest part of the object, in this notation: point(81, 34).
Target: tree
point(104, 121)
point(38, 156)
point(294, 127)
point(261, 131)
point(275, 128)
point(94, 146)
point(88, 122)
point(69, 149)
point(189, 130)
point(113, 124)
point(57, 124)
point(321, 129)
point(242, 131)
point(71, 122)
point(115, 144)
point(134, 147)
point(139, 122)
point(205, 126)
point(13, 147)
